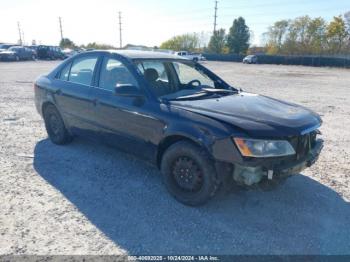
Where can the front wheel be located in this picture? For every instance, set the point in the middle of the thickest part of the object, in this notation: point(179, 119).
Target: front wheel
point(55, 127)
point(189, 173)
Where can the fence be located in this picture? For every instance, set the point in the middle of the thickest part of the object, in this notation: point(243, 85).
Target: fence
point(332, 61)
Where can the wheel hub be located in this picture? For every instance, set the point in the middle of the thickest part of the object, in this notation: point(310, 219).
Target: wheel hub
point(187, 174)
point(54, 124)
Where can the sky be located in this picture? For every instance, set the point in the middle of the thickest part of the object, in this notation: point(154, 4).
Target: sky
point(148, 22)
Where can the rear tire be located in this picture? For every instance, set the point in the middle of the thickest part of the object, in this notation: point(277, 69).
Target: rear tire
point(55, 127)
point(189, 173)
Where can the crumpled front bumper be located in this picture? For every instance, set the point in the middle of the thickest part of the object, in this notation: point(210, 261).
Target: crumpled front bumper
point(274, 168)
point(301, 164)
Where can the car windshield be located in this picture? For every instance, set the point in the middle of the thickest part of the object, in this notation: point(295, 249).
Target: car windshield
point(175, 79)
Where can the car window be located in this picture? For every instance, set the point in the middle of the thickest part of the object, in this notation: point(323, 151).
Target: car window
point(187, 74)
point(114, 73)
point(156, 75)
point(65, 72)
point(82, 70)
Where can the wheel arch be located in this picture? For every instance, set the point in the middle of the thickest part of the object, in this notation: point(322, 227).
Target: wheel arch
point(169, 140)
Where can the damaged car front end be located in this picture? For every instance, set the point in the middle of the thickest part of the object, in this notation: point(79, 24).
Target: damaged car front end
point(266, 159)
point(267, 139)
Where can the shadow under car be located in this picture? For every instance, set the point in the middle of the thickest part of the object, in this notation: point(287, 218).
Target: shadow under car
point(125, 199)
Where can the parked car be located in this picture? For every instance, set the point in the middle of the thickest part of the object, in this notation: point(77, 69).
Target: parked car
point(191, 56)
point(200, 131)
point(4, 47)
point(17, 53)
point(34, 48)
point(250, 59)
point(50, 52)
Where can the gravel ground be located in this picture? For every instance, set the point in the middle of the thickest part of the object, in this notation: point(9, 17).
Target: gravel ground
point(86, 198)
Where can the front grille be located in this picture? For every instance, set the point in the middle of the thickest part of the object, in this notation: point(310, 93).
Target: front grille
point(303, 144)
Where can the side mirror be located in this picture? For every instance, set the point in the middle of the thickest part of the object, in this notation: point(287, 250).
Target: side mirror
point(128, 90)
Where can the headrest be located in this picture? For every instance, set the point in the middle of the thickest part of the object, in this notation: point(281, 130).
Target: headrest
point(151, 74)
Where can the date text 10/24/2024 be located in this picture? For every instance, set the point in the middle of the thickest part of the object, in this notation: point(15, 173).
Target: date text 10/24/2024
point(173, 258)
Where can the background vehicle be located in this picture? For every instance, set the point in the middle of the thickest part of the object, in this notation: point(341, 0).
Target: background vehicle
point(50, 52)
point(17, 53)
point(250, 59)
point(177, 114)
point(192, 56)
point(5, 46)
point(70, 52)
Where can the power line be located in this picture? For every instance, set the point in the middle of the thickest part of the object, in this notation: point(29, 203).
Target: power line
point(120, 30)
point(215, 15)
point(60, 21)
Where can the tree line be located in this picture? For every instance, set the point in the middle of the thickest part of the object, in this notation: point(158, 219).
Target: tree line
point(306, 36)
point(300, 36)
point(236, 41)
point(67, 43)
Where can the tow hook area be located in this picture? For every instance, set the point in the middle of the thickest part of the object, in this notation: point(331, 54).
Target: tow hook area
point(250, 175)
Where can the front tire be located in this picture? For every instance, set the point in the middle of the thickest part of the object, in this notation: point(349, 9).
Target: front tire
point(189, 173)
point(55, 127)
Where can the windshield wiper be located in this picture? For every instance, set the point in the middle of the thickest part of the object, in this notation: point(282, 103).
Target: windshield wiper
point(203, 92)
point(219, 91)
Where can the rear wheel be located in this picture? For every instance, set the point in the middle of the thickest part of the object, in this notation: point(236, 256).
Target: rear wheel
point(189, 173)
point(55, 127)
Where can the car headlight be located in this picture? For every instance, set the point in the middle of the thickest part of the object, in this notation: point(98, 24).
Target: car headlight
point(264, 148)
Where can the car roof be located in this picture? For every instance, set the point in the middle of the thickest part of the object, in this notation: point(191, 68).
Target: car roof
point(137, 54)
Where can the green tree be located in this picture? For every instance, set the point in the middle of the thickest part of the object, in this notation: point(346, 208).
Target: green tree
point(297, 41)
point(336, 34)
point(217, 42)
point(275, 36)
point(187, 42)
point(238, 37)
point(95, 45)
point(316, 35)
point(67, 43)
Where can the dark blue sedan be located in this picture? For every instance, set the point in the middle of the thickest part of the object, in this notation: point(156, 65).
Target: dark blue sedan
point(201, 132)
point(17, 53)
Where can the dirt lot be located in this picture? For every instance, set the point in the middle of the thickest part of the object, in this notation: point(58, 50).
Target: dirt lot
point(89, 199)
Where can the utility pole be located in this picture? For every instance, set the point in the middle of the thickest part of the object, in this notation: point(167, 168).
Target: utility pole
point(215, 15)
point(120, 30)
point(60, 21)
point(20, 34)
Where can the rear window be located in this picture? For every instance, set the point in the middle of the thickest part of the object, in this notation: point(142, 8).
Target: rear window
point(82, 70)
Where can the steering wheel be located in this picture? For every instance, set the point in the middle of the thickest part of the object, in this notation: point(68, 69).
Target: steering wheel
point(191, 83)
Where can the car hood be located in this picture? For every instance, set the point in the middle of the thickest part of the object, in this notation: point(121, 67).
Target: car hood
point(257, 115)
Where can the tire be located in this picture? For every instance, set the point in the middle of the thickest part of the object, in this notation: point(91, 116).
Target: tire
point(189, 173)
point(16, 58)
point(55, 127)
point(33, 57)
point(195, 59)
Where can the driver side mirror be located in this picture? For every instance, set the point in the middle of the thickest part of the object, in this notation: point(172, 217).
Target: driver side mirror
point(127, 90)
